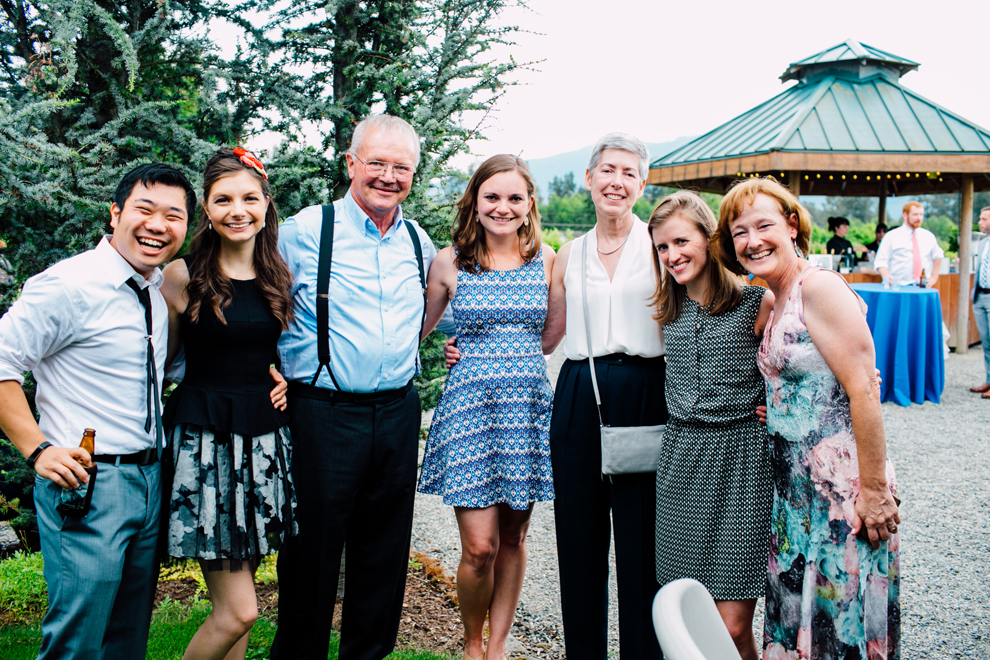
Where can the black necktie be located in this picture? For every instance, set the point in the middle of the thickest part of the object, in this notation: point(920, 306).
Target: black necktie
point(152, 371)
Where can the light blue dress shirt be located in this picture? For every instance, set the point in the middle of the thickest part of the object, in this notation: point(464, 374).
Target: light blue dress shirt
point(376, 299)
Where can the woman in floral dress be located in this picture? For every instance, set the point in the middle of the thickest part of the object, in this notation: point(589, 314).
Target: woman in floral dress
point(488, 452)
point(832, 578)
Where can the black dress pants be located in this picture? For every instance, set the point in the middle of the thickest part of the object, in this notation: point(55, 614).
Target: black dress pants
point(354, 471)
point(632, 390)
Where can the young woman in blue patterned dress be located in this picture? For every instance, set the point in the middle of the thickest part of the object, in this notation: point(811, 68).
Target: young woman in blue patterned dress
point(488, 452)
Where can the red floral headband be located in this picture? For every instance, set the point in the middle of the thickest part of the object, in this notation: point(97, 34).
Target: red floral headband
point(250, 160)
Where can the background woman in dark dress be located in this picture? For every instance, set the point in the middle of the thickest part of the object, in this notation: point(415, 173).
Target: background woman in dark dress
point(228, 301)
point(838, 244)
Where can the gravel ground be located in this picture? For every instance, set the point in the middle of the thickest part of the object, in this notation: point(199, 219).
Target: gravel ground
point(941, 456)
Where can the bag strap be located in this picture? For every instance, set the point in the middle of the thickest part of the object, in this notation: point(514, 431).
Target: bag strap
point(323, 296)
point(587, 325)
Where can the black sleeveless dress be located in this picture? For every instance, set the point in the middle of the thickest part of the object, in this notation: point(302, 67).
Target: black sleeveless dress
point(232, 495)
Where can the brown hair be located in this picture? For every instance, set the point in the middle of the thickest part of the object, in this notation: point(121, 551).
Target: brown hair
point(469, 236)
point(208, 285)
point(724, 290)
point(742, 194)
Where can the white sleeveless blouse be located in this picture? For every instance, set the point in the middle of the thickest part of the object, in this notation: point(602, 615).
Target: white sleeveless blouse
point(621, 314)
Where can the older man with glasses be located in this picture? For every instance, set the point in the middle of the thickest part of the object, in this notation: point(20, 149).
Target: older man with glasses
point(350, 355)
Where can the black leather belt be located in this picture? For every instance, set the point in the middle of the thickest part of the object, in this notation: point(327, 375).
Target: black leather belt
point(980, 289)
point(146, 457)
point(297, 388)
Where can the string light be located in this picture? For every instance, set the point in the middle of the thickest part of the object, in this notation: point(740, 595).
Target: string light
point(818, 176)
point(854, 177)
point(843, 177)
point(805, 177)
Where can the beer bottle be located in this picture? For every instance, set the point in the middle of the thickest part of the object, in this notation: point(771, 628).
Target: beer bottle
point(75, 501)
point(88, 441)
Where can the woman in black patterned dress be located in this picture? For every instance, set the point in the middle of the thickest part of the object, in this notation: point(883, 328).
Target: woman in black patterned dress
point(232, 499)
point(713, 477)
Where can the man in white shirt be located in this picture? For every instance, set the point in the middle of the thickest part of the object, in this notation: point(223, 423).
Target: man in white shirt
point(92, 329)
point(910, 254)
point(981, 298)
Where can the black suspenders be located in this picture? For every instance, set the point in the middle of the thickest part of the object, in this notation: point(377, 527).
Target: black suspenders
point(323, 291)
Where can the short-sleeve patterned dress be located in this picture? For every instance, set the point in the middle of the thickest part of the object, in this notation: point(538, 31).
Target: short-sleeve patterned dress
point(489, 442)
point(829, 595)
point(713, 476)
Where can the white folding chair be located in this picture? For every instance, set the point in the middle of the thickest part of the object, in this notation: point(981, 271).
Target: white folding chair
point(688, 624)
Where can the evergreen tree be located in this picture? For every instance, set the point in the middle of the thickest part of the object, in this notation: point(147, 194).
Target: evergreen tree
point(90, 89)
point(427, 61)
point(563, 186)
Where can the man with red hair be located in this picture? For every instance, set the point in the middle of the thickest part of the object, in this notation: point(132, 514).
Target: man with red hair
point(910, 254)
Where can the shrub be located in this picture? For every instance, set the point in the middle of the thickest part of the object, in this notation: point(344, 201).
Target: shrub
point(23, 592)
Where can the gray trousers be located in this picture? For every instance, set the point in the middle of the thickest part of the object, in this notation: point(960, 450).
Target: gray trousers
point(101, 569)
point(981, 308)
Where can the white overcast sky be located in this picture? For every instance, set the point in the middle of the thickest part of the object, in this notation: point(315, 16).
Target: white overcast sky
point(662, 69)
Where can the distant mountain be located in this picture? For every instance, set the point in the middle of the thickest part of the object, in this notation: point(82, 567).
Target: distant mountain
point(545, 169)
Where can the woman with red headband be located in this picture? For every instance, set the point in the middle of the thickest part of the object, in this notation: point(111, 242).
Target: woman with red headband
point(232, 500)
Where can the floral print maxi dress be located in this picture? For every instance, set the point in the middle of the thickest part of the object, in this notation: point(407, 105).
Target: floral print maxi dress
point(829, 596)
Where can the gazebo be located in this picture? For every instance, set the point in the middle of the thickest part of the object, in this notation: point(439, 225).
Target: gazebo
point(847, 128)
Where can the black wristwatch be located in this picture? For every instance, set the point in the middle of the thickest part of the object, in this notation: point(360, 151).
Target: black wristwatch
point(33, 458)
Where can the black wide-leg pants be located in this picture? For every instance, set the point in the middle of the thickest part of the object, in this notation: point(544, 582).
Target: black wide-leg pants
point(354, 471)
point(632, 390)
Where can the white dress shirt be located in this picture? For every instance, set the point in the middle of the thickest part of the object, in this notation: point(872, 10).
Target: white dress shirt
point(82, 331)
point(896, 253)
point(621, 314)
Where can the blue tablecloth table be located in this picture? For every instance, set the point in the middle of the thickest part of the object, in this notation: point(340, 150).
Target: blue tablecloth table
point(907, 330)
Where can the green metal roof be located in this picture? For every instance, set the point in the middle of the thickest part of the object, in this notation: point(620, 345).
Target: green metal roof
point(849, 51)
point(836, 108)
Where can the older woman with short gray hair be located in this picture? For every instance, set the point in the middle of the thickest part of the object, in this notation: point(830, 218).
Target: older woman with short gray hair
point(627, 344)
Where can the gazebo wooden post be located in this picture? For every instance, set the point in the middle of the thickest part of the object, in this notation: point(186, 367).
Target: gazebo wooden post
point(965, 260)
point(794, 182)
point(882, 207)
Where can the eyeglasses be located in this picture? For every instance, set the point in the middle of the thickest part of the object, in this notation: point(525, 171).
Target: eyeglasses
point(378, 168)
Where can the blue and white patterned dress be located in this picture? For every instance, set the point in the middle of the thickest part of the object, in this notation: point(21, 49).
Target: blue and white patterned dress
point(490, 438)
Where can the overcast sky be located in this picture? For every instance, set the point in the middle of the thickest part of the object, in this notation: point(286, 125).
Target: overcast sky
point(660, 69)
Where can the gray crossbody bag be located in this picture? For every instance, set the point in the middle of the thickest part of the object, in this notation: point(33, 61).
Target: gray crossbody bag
point(625, 449)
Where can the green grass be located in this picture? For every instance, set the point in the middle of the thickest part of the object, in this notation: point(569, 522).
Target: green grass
point(23, 595)
point(172, 626)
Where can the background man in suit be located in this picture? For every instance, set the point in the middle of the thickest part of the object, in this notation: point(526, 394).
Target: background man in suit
point(82, 327)
point(355, 425)
point(981, 299)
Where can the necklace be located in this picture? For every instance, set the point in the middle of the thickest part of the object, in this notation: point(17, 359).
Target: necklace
point(616, 249)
